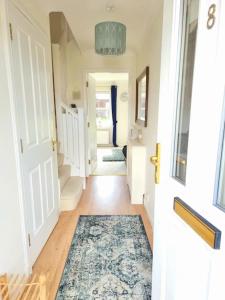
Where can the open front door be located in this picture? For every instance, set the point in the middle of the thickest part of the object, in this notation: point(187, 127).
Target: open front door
point(33, 99)
point(92, 130)
point(189, 228)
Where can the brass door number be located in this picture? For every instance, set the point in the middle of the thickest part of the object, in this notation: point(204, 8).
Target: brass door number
point(211, 16)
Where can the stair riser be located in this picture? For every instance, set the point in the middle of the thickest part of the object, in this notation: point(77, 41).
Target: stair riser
point(70, 204)
point(71, 193)
point(63, 181)
point(64, 175)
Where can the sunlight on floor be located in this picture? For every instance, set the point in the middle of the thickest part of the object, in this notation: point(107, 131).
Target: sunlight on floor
point(109, 168)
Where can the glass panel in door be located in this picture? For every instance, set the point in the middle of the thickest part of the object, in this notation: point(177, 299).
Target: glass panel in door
point(220, 180)
point(187, 61)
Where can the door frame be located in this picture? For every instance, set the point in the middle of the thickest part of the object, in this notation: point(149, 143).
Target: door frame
point(168, 52)
point(131, 88)
point(8, 55)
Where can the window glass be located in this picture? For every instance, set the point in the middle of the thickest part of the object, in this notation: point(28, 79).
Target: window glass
point(187, 61)
point(220, 186)
point(103, 110)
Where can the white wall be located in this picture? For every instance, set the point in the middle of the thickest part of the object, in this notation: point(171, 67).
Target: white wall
point(67, 62)
point(12, 254)
point(150, 56)
point(71, 66)
point(34, 11)
point(74, 73)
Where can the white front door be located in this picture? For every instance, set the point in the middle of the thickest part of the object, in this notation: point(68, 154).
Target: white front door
point(33, 98)
point(92, 128)
point(186, 264)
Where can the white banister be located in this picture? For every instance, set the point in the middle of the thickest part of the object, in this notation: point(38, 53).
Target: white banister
point(72, 138)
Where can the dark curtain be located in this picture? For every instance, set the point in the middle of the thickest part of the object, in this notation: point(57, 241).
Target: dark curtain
point(114, 112)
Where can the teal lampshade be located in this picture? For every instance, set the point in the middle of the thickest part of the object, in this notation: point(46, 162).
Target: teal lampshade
point(110, 38)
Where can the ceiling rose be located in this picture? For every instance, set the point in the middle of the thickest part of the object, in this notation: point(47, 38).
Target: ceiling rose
point(110, 8)
point(110, 38)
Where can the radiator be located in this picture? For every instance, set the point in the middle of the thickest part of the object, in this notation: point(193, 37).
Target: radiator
point(103, 137)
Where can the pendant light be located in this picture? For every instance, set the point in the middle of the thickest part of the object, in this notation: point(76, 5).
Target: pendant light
point(110, 38)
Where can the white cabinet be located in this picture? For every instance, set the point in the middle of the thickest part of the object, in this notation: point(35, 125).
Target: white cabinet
point(136, 171)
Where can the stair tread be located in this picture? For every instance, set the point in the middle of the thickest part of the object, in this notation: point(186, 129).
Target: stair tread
point(72, 187)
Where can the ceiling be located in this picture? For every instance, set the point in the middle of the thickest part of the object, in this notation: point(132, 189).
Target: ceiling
point(105, 77)
point(83, 15)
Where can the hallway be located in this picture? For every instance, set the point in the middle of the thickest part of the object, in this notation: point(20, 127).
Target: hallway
point(105, 195)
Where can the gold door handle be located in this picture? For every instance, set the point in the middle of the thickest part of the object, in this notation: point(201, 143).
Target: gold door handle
point(54, 143)
point(155, 160)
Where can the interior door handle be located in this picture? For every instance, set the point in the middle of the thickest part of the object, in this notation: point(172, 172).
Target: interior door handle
point(155, 160)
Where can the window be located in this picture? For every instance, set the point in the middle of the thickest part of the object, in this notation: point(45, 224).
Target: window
point(187, 61)
point(103, 110)
point(220, 180)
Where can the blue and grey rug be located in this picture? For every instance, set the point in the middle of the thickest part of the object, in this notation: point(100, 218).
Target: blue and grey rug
point(109, 259)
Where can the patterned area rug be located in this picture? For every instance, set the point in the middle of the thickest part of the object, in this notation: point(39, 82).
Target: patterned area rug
point(117, 155)
point(109, 259)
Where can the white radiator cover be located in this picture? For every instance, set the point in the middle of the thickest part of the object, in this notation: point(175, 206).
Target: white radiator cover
point(103, 137)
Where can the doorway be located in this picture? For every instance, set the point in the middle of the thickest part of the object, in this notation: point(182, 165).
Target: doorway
point(108, 102)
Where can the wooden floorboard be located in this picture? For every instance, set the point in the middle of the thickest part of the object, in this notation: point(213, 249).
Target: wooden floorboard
point(104, 195)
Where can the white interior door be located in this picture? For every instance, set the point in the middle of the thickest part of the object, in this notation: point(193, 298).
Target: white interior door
point(92, 129)
point(191, 133)
point(31, 69)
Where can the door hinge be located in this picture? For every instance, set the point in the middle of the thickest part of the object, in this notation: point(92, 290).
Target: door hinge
point(29, 241)
point(89, 161)
point(21, 145)
point(11, 31)
point(88, 124)
point(87, 84)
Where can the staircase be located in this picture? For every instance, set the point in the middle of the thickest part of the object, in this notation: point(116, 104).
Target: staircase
point(71, 187)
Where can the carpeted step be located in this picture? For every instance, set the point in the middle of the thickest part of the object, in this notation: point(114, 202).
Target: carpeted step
point(71, 193)
point(64, 174)
point(60, 158)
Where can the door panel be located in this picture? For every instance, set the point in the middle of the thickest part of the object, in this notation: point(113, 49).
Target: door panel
point(25, 61)
point(36, 198)
point(49, 185)
point(188, 263)
point(185, 266)
point(43, 92)
point(33, 98)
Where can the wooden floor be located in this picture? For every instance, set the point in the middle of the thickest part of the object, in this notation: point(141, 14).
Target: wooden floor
point(104, 195)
